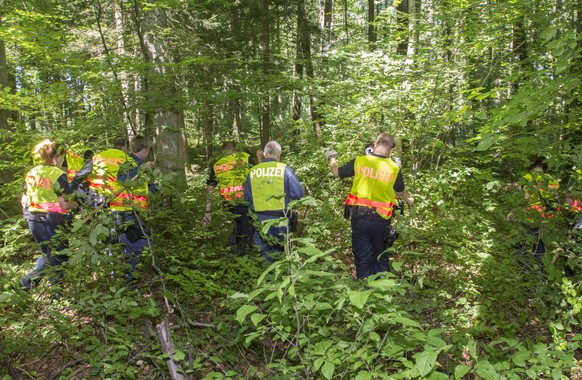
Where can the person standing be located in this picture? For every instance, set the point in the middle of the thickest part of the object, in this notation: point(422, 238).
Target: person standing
point(269, 188)
point(541, 194)
point(115, 179)
point(46, 202)
point(370, 204)
point(229, 174)
point(134, 235)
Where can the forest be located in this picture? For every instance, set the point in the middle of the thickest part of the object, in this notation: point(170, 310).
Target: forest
point(474, 91)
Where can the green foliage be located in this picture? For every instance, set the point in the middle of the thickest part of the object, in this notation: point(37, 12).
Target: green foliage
point(483, 86)
point(311, 320)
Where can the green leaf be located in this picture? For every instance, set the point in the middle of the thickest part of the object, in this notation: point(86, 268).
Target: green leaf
point(437, 376)
point(256, 318)
point(364, 375)
point(486, 371)
point(4, 297)
point(252, 337)
point(406, 321)
point(317, 363)
point(328, 369)
point(243, 311)
point(425, 361)
point(358, 298)
point(461, 370)
point(292, 291)
point(179, 355)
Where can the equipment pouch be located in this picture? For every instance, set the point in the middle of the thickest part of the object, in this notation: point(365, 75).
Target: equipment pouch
point(134, 232)
point(391, 235)
point(347, 211)
point(293, 218)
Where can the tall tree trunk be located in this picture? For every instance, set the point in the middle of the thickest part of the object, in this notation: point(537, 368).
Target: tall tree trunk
point(165, 112)
point(299, 59)
point(519, 45)
point(402, 21)
point(6, 175)
point(327, 26)
point(123, 77)
point(4, 83)
point(305, 41)
point(371, 25)
point(208, 114)
point(266, 41)
point(131, 129)
point(297, 103)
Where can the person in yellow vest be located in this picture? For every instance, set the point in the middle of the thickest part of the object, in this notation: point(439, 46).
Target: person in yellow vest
point(268, 189)
point(229, 174)
point(377, 181)
point(541, 194)
point(124, 196)
point(574, 197)
point(79, 163)
point(136, 236)
point(574, 201)
point(47, 200)
point(74, 160)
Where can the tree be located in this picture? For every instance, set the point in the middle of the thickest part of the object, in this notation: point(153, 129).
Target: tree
point(164, 111)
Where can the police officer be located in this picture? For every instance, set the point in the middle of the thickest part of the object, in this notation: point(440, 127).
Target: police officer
point(136, 236)
point(574, 201)
point(268, 189)
point(541, 194)
point(377, 180)
point(46, 201)
point(124, 195)
point(229, 174)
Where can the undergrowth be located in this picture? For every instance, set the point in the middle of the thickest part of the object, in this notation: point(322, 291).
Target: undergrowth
point(457, 304)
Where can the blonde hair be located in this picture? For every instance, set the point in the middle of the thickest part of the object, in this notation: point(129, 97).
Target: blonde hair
point(47, 150)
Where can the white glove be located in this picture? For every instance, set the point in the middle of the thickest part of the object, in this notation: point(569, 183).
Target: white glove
point(329, 153)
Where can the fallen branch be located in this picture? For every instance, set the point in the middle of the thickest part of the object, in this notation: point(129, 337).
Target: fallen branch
point(168, 349)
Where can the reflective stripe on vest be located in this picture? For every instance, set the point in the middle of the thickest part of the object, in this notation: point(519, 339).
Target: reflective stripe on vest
point(542, 188)
point(74, 163)
point(231, 172)
point(373, 184)
point(383, 208)
point(106, 166)
point(268, 186)
point(42, 189)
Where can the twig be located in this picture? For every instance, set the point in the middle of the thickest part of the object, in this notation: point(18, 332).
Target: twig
point(67, 365)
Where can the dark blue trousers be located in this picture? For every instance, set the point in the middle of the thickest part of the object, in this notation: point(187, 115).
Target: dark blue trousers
point(44, 228)
point(242, 233)
point(370, 241)
point(133, 235)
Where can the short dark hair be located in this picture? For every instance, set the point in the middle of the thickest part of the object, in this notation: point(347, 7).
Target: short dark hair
point(386, 139)
point(228, 145)
point(537, 162)
point(120, 143)
point(139, 142)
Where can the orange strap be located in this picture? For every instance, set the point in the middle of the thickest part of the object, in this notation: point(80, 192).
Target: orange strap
point(383, 208)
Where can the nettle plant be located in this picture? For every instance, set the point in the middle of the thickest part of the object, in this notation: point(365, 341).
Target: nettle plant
point(310, 319)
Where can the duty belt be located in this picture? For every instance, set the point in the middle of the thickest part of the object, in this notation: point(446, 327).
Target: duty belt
point(37, 217)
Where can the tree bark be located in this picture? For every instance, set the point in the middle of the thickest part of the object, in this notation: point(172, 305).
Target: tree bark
point(402, 20)
point(163, 100)
point(327, 26)
point(371, 26)
point(305, 42)
point(123, 77)
point(6, 175)
point(266, 42)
